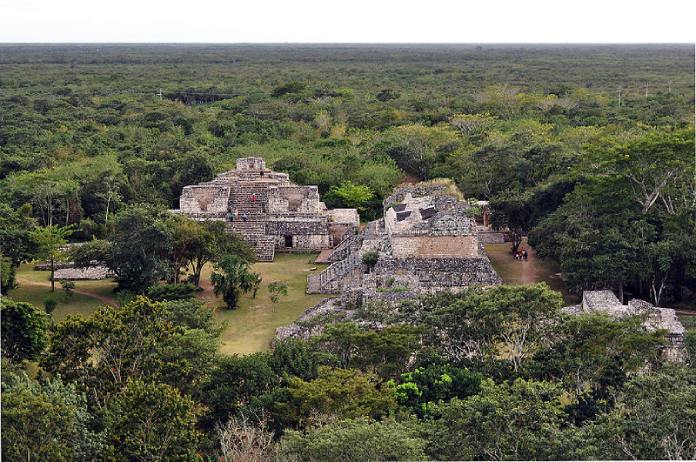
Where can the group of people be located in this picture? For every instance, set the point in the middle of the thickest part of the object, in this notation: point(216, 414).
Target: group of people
point(233, 215)
point(521, 254)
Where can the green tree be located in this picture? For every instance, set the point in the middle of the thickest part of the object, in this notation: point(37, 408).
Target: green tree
point(277, 289)
point(152, 422)
point(352, 195)
point(46, 421)
point(16, 243)
point(174, 343)
point(50, 241)
point(235, 383)
point(209, 243)
point(515, 421)
point(356, 440)
point(24, 330)
point(140, 247)
point(234, 278)
point(509, 322)
point(346, 393)
point(654, 418)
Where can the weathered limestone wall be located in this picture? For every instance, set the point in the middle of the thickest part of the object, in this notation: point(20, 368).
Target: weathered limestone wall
point(210, 198)
point(442, 273)
point(290, 227)
point(434, 246)
point(300, 199)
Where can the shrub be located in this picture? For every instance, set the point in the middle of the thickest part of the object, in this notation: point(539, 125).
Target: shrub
point(68, 287)
point(276, 289)
point(50, 304)
point(370, 259)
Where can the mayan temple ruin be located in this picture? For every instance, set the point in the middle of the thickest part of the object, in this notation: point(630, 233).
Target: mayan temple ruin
point(654, 318)
point(268, 210)
point(427, 241)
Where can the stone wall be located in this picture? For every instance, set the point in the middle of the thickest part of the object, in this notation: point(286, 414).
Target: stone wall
point(434, 246)
point(293, 198)
point(442, 273)
point(209, 198)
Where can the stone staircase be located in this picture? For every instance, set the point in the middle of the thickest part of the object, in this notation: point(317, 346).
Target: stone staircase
point(254, 233)
point(240, 201)
point(350, 244)
point(336, 276)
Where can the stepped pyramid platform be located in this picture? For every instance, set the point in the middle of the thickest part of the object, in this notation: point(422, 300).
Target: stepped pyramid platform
point(426, 242)
point(269, 211)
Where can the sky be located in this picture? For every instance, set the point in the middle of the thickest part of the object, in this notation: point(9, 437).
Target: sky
point(364, 21)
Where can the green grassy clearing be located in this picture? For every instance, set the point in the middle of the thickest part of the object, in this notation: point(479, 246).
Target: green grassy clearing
point(34, 287)
point(252, 325)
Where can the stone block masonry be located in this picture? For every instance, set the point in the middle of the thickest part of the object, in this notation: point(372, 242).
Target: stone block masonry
point(427, 241)
point(270, 212)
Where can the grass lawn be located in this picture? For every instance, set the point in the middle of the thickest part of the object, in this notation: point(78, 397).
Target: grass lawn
point(35, 286)
point(251, 326)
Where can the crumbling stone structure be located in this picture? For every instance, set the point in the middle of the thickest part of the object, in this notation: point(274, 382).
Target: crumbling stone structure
point(427, 241)
point(269, 211)
point(655, 318)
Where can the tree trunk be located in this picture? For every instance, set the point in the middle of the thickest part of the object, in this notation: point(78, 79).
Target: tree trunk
point(621, 294)
point(106, 216)
point(53, 278)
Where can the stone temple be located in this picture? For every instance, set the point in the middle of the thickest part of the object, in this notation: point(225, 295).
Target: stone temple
point(427, 241)
point(269, 211)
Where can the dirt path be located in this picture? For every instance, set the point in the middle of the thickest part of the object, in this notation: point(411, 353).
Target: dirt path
point(207, 292)
point(528, 272)
point(102, 298)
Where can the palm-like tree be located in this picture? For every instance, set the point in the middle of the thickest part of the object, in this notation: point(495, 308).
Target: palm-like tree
point(234, 278)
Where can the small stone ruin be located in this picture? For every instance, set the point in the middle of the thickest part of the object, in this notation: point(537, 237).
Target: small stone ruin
point(269, 211)
point(604, 301)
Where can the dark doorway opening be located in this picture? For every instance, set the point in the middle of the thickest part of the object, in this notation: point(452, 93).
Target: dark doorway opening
point(288, 241)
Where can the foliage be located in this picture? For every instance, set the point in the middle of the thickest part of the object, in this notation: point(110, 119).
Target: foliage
point(171, 292)
point(152, 422)
point(424, 386)
point(233, 278)
point(356, 440)
point(370, 259)
point(68, 287)
point(50, 241)
point(142, 339)
point(24, 330)
point(277, 289)
point(46, 421)
point(518, 420)
point(346, 393)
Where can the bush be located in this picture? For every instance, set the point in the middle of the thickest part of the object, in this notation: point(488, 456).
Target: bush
point(50, 304)
point(68, 287)
point(370, 259)
point(169, 292)
point(276, 289)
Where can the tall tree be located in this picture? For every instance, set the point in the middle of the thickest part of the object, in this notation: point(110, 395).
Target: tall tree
point(24, 330)
point(151, 421)
point(50, 241)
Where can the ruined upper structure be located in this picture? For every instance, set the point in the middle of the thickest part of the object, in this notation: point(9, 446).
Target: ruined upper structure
point(269, 211)
point(427, 241)
point(604, 301)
